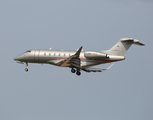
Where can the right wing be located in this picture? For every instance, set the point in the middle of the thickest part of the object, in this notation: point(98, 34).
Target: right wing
point(96, 69)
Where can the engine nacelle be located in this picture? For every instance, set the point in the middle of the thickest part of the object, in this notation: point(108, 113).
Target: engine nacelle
point(92, 55)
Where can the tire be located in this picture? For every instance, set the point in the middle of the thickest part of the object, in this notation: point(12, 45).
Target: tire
point(78, 73)
point(73, 70)
point(26, 69)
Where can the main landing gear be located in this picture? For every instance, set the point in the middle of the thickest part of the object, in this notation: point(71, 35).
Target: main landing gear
point(26, 69)
point(73, 70)
point(77, 72)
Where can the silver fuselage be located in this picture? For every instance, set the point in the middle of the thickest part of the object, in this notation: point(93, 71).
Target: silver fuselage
point(55, 56)
point(78, 60)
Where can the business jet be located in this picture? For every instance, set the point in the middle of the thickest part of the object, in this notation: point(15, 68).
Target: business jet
point(78, 60)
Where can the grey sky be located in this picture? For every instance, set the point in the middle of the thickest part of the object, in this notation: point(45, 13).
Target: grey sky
point(53, 93)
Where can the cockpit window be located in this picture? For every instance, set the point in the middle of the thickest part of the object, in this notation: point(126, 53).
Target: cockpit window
point(28, 51)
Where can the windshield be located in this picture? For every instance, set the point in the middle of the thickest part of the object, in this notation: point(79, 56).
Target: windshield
point(28, 51)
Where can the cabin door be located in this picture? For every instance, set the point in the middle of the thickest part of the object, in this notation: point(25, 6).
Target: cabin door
point(36, 56)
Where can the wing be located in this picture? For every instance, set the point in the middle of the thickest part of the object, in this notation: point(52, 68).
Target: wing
point(96, 69)
point(72, 61)
point(54, 62)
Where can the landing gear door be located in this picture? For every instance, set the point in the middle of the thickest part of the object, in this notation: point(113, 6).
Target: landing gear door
point(36, 56)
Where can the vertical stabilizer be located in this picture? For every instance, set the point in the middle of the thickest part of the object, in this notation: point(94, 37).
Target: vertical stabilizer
point(122, 46)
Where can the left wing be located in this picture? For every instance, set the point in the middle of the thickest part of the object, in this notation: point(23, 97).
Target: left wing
point(73, 60)
point(96, 69)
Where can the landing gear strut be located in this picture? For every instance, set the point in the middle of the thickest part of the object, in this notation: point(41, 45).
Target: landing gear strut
point(26, 69)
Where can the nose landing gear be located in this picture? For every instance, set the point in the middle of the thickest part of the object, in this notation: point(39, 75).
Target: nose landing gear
point(26, 69)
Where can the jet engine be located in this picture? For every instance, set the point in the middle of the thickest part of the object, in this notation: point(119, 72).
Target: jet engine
point(92, 54)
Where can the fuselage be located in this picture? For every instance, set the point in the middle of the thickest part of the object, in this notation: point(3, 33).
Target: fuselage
point(87, 58)
point(78, 60)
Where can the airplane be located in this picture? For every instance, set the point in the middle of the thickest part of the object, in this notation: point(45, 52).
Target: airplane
point(78, 60)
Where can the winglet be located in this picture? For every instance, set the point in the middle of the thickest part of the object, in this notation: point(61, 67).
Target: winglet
point(138, 43)
point(78, 52)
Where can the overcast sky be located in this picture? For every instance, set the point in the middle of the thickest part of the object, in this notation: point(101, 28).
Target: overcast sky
point(47, 92)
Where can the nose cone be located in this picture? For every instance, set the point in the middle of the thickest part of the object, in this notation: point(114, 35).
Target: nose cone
point(16, 58)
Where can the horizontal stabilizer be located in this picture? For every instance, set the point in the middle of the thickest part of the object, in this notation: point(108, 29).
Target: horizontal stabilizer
point(109, 67)
point(96, 69)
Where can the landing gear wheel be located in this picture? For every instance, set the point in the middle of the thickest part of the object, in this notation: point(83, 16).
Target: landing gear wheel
point(26, 69)
point(78, 73)
point(73, 70)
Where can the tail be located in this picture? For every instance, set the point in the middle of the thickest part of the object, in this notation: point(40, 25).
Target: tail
point(122, 46)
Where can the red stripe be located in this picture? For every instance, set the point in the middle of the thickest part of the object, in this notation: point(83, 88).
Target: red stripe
point(99, 60)
point(66, 58)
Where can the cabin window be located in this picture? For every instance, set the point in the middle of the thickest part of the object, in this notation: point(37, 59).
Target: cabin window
point(64, 54)
point(59, 54)
point(49, 54)
point(44, 54)
point(54, 54)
